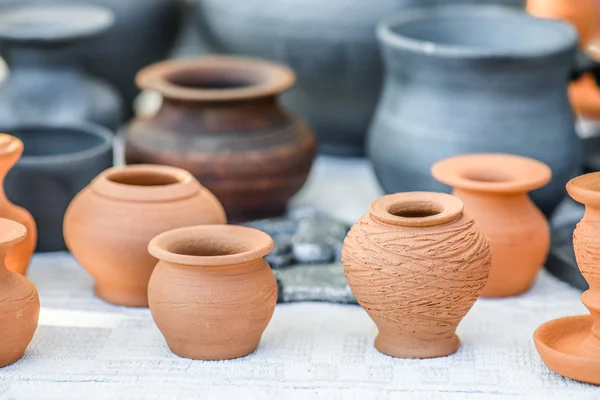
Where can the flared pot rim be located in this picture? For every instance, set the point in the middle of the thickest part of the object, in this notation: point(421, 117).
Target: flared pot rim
point(585, 189)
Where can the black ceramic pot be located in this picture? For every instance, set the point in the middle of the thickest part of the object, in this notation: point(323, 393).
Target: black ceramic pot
point(46, 84)
point(57, 163)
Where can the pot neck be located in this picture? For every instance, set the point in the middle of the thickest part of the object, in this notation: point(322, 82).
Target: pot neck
point(55, 57)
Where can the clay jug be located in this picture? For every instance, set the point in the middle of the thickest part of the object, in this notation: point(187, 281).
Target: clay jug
point(416, 263)
point(494, 189)
point(19, 255)
point(108, 225)
point(212, 294)
point(19, 303)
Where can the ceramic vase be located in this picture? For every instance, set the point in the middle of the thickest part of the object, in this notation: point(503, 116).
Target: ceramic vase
point(570, 346)
point(511, 71)
point(331, 45)
point(57, 163)
point(494, 189)
point(109, 224)
point(212, 294)
point(19, 255)
point(20, 304)
point(46, 83)
point(416, 263)
point(221, 121)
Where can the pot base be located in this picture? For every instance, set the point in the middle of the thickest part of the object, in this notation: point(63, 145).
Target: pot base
point(11, 360)
point(397, 347)
point(225, 351)
point(123, 297)
point(568, 348)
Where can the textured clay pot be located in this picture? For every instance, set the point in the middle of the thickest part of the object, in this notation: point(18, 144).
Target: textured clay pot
point(571, 346)
point(331, 46)
point(416, 263)
point(19, 304)
point(494, 189)
point(511, 71)
point(46, 83)
point(18, 257)
point(220, 120)
point(58, 162)
point(212, 294)
point(109, 224)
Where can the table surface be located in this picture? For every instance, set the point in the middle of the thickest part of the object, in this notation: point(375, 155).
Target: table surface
point(85, 348)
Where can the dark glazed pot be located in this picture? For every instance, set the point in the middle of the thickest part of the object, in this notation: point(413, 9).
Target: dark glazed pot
point(468, 79)
point(220, 120)
point(45, 83)
point(331, 45)
point(57, 163)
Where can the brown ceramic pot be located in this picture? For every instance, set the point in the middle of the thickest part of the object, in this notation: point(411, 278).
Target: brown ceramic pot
point(19, 302)
point(571, 346)
point(212, 294)
point(109, 224)
point(416, 263)
point(20, 254)
point(494, 189)
point(221, 121)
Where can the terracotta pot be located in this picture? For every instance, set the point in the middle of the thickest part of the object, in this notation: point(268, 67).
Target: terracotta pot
point(109, 224)
point(212, 294)
point(221, 121)
point(494, 189)
point(20, 304)
point(571, 346)
point(20, 254)
point(416, 263)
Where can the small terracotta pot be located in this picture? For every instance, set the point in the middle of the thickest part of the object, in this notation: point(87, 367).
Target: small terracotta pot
point(109, 224)
point(19, 304)
point(494, 189)
point(571, 346)
point(20, 254)
point(416, 263)
point(212, 294)
point(220, 120)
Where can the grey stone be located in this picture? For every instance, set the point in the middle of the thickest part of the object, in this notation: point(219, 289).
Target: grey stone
point(317, 241)
point(277, 261)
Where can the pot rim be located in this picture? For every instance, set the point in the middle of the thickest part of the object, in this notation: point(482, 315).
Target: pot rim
point(252, 244)
point(11, 232)
point(492, 173)
point(386, 34)
point(265, 78)
point(585, 189)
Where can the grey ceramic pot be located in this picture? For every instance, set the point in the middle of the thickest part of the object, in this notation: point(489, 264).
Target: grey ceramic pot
point(58, 161)
point(46, 83)
point(331, 45)
point(467, 79)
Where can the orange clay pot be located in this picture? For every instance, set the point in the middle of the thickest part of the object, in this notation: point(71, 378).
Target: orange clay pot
point(212, 294)
point(109, 224)
point(19, 256)
point(19, 301)
point(571, 346)
point(416, 263)
point(494, 190)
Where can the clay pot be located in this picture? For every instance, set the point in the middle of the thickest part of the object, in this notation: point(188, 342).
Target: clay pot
point(571, 346)
point(416, 263)
point(212, 294)
point(109, 224)
point(20, 304)
point(494, 189)
point(19, 255)
point(220, 120)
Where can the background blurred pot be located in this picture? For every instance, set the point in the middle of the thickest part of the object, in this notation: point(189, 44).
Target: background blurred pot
point(330, 45)
point(57, 163)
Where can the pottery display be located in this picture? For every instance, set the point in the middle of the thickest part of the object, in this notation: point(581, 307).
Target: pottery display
point(570, 346)
point(494, 189)
point(416, 263)
point(46, 83)
point(220, 120)
point(57, 163)
point(108, 225)
point(19, 254)
point(20, 304)
point(511, 71)
point(212, 294)
point(331, 46)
